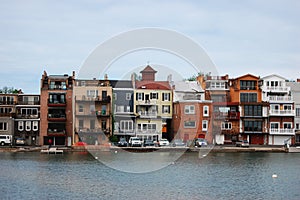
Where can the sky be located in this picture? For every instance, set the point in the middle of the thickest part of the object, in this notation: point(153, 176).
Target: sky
point(240, 37)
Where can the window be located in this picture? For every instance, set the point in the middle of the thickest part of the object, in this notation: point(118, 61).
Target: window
point(166, 109)
point(92, 93)
point(80, 124)
point(297, 126)
point(57, 98)
point(205, 111)
point(140, 96)
point(28, 125)
point(204, 125)
point(92, 108)
point(226, 126)
point(189, 109)
point(189, 124)
point(128, 96)
point(274, 125)
point(287, 107)
point(153, 95)
point(20, 126)
point(253, 110)
point(126, 125)
point(115, 96)
point(120, 109)
point(35, 125)
point(297, 112)
point(127, 108)
point(248, 97)
point(287, 125)
point(3, 126)
point(166, 96)
point(248, 85)
point(92, 124)
point(253, 126)
point(80, 108)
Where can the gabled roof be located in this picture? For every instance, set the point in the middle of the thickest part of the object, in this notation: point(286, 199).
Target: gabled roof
point(148, 69)
point(153, 85)
point(248, 75)
point(273, 75)
point(188, 86)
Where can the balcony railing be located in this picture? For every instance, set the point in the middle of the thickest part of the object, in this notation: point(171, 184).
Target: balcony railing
point(282, 131)
point(276, 88)
point(227, 115)
point(22, 116)
point(56, 103)
point(279, 98)
point(282, 112)
point(8, 102)
point(147, 102)
point(56, 131)
point(147, 114)
point(28, 102)
point(56, 117)
point(102, 113)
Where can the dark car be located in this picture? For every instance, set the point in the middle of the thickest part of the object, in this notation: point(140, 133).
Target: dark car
point(122, 142)
point(148, 143)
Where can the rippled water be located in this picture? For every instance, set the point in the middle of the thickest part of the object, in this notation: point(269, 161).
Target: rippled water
point(217, 176)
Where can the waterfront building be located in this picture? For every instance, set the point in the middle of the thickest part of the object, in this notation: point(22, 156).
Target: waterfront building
point(295, 92)
point(281, 109)
point(92, 111)
point(27, 119)
point(225, 109)
point(56, 116)
point(124, 118)
point(152, 106)
point(7, 113)
point(253, 122)
point(191, 112)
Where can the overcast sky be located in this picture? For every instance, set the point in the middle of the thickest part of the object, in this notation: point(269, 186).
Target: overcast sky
point(240, 37)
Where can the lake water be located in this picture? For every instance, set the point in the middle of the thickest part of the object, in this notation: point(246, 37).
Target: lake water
point(217, 176)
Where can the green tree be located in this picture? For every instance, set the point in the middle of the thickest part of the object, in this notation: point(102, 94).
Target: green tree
point(9, 90)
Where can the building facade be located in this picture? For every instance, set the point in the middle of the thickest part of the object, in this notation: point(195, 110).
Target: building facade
point(281, 109)
point(27, 119)
point(7, 113)
point(152, 106)
point(92, 111)
point(124, 119)
point(191, 117)
point(56, 117)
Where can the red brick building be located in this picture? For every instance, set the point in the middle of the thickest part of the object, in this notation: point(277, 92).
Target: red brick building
point(56, 109)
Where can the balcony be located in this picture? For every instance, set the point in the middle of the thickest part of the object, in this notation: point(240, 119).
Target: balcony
point(227, 115)
point(28, 102)
point(282, 131)
point(23, 116)
point(56, 103)
point(279, 89)
point(5, 102)
point(56, 117)
point(282, 112)
point(105, 99)
point(280, 99)
point(56, 131)
point(147, 102)
point(147, 114)
point(102, 113)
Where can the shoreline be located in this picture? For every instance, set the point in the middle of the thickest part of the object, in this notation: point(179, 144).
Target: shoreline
point(216, 149)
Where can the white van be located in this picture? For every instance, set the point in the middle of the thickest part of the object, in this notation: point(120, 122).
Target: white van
point(5, 139)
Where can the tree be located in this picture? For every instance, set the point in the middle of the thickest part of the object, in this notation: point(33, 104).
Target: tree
point(194, 77)
point(9, 90)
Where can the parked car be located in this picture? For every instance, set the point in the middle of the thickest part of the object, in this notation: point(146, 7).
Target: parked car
point(243, 143)
point(200, 142)
point(148, 143)
point(178, 142)
point(20, 141)
point(135, 141)
point(122, 142)
point(163, 142)
point(5, 139)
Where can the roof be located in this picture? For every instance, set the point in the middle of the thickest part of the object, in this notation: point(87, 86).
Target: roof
point(246, 75)
point(273, 75)
point(148, 68)
point(121, 83)
point(153, 85)
point(188, 86)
